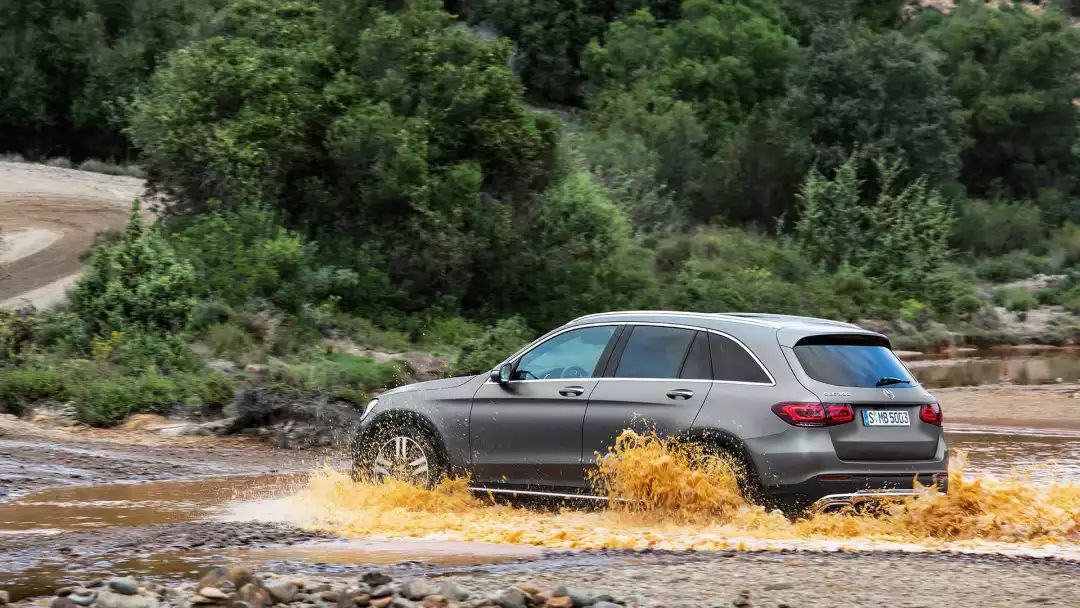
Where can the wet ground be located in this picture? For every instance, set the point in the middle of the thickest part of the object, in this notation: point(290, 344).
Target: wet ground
point(60, 526)
point(1053, 366)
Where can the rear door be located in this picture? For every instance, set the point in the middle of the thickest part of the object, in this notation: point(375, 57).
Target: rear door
point(862, 371)
point(658, 377)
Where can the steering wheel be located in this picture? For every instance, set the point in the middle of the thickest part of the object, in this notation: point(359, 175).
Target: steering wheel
point(574, 372)
point(524, 373)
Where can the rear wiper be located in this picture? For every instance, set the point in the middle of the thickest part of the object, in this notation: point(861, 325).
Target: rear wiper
point(890, 380)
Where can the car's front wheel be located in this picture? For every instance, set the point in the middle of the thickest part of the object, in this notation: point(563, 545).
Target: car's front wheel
point(404, 452)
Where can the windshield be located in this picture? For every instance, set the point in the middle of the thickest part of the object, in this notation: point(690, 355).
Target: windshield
point(856, 365)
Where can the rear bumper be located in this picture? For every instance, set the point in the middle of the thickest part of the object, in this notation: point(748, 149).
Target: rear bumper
point(830, 491)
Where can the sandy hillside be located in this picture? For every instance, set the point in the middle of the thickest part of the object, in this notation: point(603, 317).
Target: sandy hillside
point(48, 218)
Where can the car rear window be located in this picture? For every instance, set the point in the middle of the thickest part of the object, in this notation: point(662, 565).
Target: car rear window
point(851, 362)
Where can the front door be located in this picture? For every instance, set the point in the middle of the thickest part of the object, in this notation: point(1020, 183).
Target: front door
point(658, 379)
point(527, 432)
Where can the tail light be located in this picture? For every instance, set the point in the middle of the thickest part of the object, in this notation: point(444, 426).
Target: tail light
point(930, 413)
point(814, 414)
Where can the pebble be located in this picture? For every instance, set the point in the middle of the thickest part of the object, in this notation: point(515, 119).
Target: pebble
point(109, 599)
point(4, 597)
point(559, 601)
point(453, 591)
point(376, 578)
point(606, 604)
point(382, 591)
point(124, 585)
point(283, 592)
point(329, 596)
point(418, 589)
point(364, 599)
point(83, 597)
point(435, 601)
point(62, 602)
point(212, 593)
point(511, 598)
point(382, 602)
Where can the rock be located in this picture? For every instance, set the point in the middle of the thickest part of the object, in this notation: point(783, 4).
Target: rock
point(64, 591)
point(282, 592)
point(417, 589)
point(382, 602)
point(400, 602)
point(83, 597)
point(435, 601)
point(329, 596)
point(62, 602)
point(97, 582)
point(559, 601)
point(511, 598)
point(238, 575)
point(4, 597)
point(606, 604)
point(212, 593)
point(222, 366)
point(382, 591)
point(240, 605)
point(253, 594)
point(125, 585)
point(376, 578)
point(110, 599)
point(453, 591)
point(255, 368)
point(198, 600)
point(364, 599)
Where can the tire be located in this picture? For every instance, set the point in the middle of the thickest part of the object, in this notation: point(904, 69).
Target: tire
point(402, 451)
point(748, 479)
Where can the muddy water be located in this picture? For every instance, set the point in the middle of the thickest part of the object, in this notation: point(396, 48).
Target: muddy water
point(992, 368)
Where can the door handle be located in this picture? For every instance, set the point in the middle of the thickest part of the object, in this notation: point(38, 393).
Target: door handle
point(680, 393)
point(572, 391)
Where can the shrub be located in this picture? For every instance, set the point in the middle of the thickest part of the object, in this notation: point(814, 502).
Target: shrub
point(109, 168)
point(136, 284)
point(345, 376)
point(22, 387)
point(1012, 266)
point(485, 351)
point(1015, 298)
point(229, 340)
point(988, 228)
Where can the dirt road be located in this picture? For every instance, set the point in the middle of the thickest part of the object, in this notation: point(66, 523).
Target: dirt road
point(49, 218)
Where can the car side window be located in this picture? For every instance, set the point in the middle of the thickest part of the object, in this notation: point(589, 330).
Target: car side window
point(733, 363)
point(698, 365)
point(654, 352)
point(572, 354)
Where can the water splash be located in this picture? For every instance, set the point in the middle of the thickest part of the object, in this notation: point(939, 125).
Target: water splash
point(672, 497)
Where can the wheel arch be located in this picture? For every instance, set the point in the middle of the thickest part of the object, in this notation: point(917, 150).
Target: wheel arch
point(388, 418)
point(730, 443)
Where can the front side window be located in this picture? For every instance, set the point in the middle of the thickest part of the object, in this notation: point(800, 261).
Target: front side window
point(654, 352)
point(848, 362)
point(573, 354)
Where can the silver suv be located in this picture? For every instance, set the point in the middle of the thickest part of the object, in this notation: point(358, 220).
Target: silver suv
point(819, 413)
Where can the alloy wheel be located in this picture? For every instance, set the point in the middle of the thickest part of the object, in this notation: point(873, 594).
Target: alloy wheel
point(401, 458)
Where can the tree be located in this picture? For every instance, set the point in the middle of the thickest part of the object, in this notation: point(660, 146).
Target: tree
point(136, 284)
point(683, 88)
point(66, 67)
point(895, 233)
point(1014, 70)
point(872, 94)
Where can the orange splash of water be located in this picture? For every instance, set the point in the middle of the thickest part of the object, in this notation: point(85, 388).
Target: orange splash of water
point(677, 498)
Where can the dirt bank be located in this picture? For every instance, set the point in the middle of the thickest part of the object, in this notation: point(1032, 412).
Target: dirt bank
point(1043, 407)
point(33, 457)
point(49, 217)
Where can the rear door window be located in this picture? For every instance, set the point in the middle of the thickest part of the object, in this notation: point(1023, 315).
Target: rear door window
point(851, 362)
point(654, 352)
point(732, 363)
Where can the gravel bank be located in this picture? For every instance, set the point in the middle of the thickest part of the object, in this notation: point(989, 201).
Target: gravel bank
point(804, 580)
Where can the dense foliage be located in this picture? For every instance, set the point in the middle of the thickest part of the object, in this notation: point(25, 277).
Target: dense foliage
point(357, 174)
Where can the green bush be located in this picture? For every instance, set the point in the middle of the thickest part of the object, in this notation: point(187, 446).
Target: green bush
point(22, 387)
point(137, 284)
point(993, 228)
point(1012, 266)
point(229, 340)
point(487, 350)
point(345, 376)
point(1015, 298)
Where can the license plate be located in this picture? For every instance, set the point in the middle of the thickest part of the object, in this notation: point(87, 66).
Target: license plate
point(885, 418)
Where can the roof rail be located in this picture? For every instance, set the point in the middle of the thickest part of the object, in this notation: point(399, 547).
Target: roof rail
point(761, 315)
point(676, 313)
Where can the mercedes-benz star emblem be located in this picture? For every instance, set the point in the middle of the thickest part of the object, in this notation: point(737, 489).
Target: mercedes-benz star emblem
point(888, 394)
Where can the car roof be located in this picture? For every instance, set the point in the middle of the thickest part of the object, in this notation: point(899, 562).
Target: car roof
point(789, 328)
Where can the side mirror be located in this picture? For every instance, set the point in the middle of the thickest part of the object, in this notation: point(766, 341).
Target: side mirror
point(502, 374)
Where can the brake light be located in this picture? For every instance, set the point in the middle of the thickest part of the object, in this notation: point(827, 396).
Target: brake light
point(930, 413)
point(814, 414)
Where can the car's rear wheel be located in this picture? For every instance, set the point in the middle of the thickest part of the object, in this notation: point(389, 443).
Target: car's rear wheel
point(405, 452)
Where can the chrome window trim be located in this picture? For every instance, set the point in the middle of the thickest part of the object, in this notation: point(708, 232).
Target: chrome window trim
point(542, 339)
